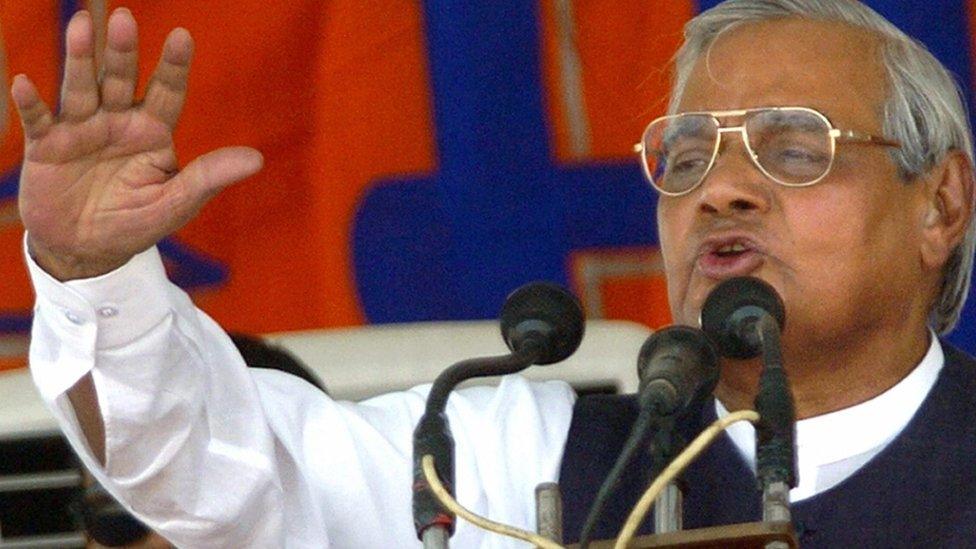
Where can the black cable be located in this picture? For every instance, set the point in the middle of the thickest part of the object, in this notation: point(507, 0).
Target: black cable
point(638, 433)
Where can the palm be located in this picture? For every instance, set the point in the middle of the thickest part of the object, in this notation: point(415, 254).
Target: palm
point(102, 177)
point(100, 182)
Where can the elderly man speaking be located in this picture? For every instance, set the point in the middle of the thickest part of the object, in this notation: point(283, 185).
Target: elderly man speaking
point(808, 143)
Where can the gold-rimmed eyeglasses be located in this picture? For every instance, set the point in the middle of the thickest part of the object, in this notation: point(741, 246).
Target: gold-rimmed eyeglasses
point(793, 146)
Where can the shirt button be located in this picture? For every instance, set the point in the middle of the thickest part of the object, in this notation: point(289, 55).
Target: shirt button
point(108, 311)
point(73, 318)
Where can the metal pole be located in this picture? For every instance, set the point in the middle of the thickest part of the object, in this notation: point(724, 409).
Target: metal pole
point(779, 419)
point(549, 511)
point(436, 537)
point(776, 508)
point(667, 510)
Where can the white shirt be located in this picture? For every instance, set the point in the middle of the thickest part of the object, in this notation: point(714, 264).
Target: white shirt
point(213, 454)
point(832, 447)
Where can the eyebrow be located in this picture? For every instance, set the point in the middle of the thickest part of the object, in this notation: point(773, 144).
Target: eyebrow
point(682, 127)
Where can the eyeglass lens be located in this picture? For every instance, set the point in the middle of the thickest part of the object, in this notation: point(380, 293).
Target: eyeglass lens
point(793, 146)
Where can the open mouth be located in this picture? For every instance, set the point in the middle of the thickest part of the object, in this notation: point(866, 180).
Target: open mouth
point(731, 250)
point(729, 257)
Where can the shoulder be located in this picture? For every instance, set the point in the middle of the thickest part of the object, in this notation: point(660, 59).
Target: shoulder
point(950, 406)
point(514, 400)
point(607, 410)
point(601, 423)
point(514, 392)
point(959, 370)
point(956, 356)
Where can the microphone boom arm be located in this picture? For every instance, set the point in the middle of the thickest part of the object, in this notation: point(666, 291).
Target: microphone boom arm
point(514, 362)
point(433, 433)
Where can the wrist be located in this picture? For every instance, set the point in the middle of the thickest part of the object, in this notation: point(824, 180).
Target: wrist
point(65, 267)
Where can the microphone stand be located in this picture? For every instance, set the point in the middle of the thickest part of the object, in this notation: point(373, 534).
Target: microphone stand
point(668, 507)
point(541, 323)
point(776, 430)
point(435, 524)
point(743, 315)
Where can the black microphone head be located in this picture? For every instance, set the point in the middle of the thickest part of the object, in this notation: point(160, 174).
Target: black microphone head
point(546, 312)
point(732, 307)
point(682, 355)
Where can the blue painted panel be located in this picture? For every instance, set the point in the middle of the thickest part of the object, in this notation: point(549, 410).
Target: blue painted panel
point(498, 212)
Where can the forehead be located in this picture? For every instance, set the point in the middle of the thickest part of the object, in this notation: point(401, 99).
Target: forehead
point(829, 66)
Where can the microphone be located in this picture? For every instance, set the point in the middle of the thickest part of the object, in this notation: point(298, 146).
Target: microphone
point(744, 316)
point(676, 366)
point(732, 313)
point(541, 323)
point(546, 314)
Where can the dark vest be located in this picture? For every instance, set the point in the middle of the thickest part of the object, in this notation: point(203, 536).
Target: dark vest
point(920, 491)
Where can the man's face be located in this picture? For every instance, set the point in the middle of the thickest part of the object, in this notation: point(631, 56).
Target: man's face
point(843, 253)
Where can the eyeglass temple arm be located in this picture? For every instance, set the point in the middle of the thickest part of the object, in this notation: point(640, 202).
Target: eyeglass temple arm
point(856, 136)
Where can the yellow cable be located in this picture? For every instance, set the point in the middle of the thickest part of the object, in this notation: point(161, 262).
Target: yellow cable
point(674, 469)
point(427, 462)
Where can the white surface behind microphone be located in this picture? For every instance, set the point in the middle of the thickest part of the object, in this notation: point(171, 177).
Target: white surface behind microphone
point(356, 363)
point(360, 362)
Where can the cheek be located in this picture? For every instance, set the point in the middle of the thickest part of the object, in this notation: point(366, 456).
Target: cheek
point(669, 238)
point(824, 237)
point(830, 231)
point(850, 252)
point(672, 236)
point(850, 229)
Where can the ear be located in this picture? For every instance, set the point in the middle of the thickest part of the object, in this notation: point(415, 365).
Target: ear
point(950, 201)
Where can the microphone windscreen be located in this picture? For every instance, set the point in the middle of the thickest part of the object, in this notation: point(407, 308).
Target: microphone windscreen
point(545, 311)
point(731, 306)
point(683, 356)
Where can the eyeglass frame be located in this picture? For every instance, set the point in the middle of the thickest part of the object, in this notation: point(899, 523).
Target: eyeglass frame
point(835, 134)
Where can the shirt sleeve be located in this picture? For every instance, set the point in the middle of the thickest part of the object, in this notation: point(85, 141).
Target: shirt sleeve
point(213, 454)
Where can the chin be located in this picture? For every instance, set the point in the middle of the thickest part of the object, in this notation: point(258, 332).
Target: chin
point(691, 303)
point(689, 314)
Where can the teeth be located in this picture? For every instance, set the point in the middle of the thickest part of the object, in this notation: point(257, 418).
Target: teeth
point(732, 248)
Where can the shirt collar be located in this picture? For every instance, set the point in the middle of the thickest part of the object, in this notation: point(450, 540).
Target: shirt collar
point(845, 433)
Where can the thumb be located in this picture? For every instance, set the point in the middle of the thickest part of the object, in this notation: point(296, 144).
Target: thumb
point(210, 173)
point(201, 179)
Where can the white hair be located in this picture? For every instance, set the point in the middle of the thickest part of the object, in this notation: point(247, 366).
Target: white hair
point(924, 110)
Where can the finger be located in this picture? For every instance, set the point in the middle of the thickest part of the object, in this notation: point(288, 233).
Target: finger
point(79, 91)
point(207, 175)
point(167, 87)
point(119, 63)
point(35, 116)
point(100, 23)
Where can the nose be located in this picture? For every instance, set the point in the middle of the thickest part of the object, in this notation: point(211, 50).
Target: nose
point(735, 185)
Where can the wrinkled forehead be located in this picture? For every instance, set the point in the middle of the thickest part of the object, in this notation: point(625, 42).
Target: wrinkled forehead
point(829, 66)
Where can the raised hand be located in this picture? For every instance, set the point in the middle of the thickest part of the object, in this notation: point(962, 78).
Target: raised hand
point(100, 181)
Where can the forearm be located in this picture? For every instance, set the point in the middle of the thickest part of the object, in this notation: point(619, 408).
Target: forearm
point(84, 401)
point(158, 404)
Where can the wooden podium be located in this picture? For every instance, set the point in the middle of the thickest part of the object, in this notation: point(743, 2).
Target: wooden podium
point(750, 535)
